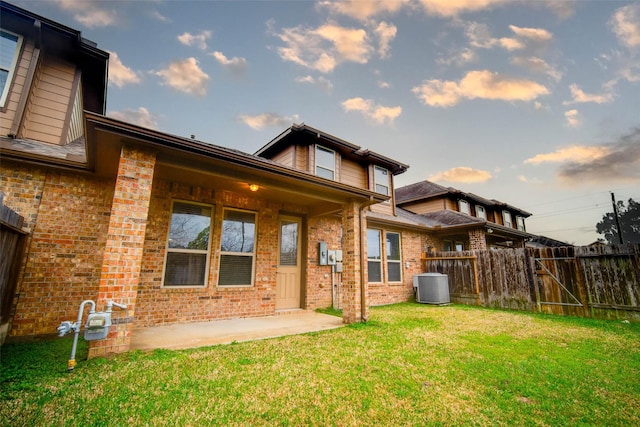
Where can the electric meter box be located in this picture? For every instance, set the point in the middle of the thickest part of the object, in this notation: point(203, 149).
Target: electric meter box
point(97, 326)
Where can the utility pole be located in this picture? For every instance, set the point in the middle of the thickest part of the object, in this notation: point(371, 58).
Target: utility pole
point(615, 212)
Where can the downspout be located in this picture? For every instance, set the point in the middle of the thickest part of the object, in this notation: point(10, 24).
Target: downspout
point(363, 233)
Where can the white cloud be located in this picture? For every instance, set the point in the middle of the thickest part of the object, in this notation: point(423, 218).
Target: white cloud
point(573, 153)
point(625, 23)
point(236, 65)
point(482, 84)
point(458, 57)
point(578, 96)
point(480, 36)
point(462, 174)
point(573, 118)
point(363, 10)
point(536, 34)
point(538, 65)
point(383, 85)
point(120, 74)
point(378, 113)
point(451, 8)
point(197, 40)
point(90, 14)
point(386, 33)
point(321, 82)
point(185, 76)
point(159, 17)
point(141, 117)
point(261, 121)
point(526, 180)
point(323, 48)
point(604, 164)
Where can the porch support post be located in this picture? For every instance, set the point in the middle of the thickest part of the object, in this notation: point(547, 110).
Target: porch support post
point(354, 308)
point(124, 247)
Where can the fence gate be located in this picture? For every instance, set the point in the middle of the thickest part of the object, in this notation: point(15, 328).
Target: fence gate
point(556, 285)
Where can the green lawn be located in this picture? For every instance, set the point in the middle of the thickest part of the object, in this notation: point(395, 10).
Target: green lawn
point(410, 365)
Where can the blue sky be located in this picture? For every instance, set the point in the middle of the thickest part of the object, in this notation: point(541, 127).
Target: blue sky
point(533, 103)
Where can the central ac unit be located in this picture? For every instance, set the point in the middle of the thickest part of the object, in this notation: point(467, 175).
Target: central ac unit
point(431, 288)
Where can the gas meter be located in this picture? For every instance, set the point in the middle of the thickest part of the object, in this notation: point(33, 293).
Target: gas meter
point(97, 326)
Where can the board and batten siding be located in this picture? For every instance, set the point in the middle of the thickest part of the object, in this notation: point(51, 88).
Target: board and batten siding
point(49, 102)
point(302, 158)
point(8, 115)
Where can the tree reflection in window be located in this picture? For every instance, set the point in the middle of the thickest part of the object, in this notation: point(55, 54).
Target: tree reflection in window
point(188, 245)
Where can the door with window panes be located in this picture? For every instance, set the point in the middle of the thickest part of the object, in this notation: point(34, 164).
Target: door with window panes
point(288, 274)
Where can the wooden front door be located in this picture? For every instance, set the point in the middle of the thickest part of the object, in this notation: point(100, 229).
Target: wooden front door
point(288, 274)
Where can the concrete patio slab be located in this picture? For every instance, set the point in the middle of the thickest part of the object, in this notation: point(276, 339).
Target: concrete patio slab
point(190, 335)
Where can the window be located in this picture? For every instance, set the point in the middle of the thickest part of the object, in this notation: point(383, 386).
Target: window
point(374, 256)
point(237, 248)
point(463, 206)
point(480, 212)
point(325, 162)
point(520, 223)
point(394, 262)
point(381, 180)
point(506, 219)
point(447, 245)
point(459, 246)
point(187, 255)
point(9, 52)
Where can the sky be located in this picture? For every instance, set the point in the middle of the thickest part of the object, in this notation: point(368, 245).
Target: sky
point(533, 103)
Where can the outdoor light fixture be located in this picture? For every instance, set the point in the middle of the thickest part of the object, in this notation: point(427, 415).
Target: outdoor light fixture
point(253, 187)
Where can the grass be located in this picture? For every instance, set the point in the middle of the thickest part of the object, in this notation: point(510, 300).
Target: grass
point(410, 365)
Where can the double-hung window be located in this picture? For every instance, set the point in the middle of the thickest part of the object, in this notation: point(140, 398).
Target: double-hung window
point(506, 219)
point(374, 256)
point(10, 45)
point(394, 261)
point(463, 206)
point(237, 248)
point(481, 212)
point(325, 162)
point(520, 223)
point(381, 180)
point(188, 245)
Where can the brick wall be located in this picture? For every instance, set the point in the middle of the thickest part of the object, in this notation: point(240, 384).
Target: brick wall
point(68, 217)
point(477, 240)
point(321, 229)
point(158, 305)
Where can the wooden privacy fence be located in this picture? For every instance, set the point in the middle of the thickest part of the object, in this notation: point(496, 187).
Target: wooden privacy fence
point(594, 281)
point(11, 247)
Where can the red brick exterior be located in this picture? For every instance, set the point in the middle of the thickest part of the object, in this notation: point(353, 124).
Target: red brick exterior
point(477, 240)
point(93, 240)
point(68, 218)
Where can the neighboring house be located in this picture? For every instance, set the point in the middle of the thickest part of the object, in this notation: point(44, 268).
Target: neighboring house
point(464, 221)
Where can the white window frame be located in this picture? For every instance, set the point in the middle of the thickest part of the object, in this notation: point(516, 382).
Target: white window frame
point(464, 207)
point(325, 167)
point(482, 215)
point(520, 223)
point(507, 219)
point(11, 71)
point(169, 250)
point(378, 261)
point(386, 186)
point(393, 261)
point(251, 254)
